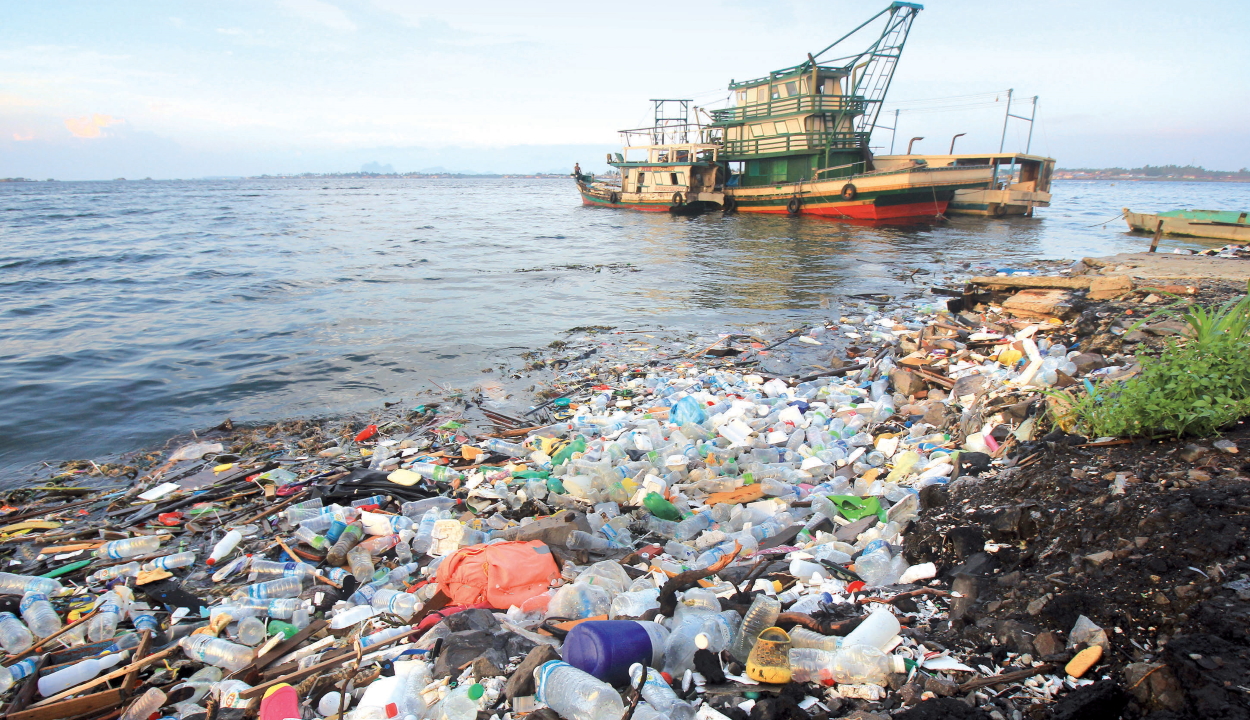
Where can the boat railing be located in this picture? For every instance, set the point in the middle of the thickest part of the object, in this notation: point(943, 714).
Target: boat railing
point(854, 105)
point(791, 142)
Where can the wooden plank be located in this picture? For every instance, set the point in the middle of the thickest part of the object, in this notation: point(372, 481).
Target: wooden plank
point(132, 677)
point(291, 645)
point(97, 702)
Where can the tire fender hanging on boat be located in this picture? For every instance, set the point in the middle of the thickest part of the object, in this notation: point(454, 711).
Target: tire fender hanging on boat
point(729, 205)
point(678, 198)
point(613, 198)
point(849, 191)
point(794, 206)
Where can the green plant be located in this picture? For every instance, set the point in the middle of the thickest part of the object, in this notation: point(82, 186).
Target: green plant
point(1195, 386)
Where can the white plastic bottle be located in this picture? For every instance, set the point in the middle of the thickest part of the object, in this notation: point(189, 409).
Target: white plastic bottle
point(576, 695)
point(224, 547)
point(461, 703)
point(104, 575)
point(215, 651)
point(402, 604)
point(14, 636)
point(78, 673)
point(170, 562)
point(351, 616)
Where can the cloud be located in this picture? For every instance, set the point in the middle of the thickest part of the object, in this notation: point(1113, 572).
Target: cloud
point(19, 137)
point(237, 32)
point(89, 127)
point(320, 12)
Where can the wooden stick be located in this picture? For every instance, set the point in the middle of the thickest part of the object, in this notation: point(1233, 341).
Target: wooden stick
point(1154, 242)
point(39, 646)
point(295, 677)
point(111, 676)
point(319, 576)
point(1006, 677)
point(275, 509)
point(133, 677)
point(96, 703)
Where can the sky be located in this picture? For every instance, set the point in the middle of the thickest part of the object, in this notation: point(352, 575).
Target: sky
point(170, 89)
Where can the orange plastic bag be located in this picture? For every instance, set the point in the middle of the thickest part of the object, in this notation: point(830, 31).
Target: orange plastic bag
point(503, 574)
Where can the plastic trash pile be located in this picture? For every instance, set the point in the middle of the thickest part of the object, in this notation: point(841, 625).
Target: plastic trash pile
point(691, 541)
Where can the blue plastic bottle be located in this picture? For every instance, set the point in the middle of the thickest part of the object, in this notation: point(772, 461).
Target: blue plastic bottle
point(607, 648)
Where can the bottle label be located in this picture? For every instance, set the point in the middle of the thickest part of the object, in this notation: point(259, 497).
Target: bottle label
point(544, 673)
point(30, 599)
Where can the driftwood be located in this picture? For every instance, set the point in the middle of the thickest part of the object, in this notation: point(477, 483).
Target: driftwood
point(690, 578)
point(1006, 677)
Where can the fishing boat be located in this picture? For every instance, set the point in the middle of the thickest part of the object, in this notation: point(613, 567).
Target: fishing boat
point(794, 142)
point(1218, 224)
point(1019, 182)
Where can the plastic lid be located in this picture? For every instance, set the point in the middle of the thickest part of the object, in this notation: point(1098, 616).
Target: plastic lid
point(475, 691)
point(701, 641)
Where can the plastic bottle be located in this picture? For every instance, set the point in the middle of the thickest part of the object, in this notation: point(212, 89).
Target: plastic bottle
point(251, 631)
point(461, 703)
point(232, 567)
point(215, 651)
point(761, 615)
point(14, 635)
point(411, 700)
point(424, 538)
point(854, 664)
point(399, 603)
point(378, 500)
point(690, 528)
point(607, 649)
point(361, 564)
point(130, 569)
point(269, 569)
point(503, 447)
point(437, 473)
point(129, 547)
point(110, 609)
point(579, 540)
point(39, 615)
point(801, 637)
point(147, 704)
point(11, 674)
point(288, 587)
point(170, 562)
point(11, 584)
point(351, 536)
point(311, 538)
point(417, 509)
point(200, 682)
point(384, 635)
point(634, 604)
point(659, 694)
point(660, 507)
point(876, 630)
point(224, 547)
point(351, 616)
point(78, 673)
point(576, 695)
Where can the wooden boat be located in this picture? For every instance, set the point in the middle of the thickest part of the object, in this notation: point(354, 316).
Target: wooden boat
point(795, 142)
point(1019, 182)
point(1218, 224)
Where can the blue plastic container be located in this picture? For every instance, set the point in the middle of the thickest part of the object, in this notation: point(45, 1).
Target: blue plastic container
point(607, 648)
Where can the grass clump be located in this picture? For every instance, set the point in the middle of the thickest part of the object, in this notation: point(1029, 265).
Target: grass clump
point(1196, 385)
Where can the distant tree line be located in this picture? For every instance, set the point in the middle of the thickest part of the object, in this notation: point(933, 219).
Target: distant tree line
point(1169, 171)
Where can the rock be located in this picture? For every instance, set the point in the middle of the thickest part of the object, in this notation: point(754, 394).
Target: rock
point(941, 686)
point(910, 693)
point(1154, 685)
point(1038, 605)
point(522, 681)
point(1198, 476)
point(1108, 287)
point(848, 533)
point(966, 586)
point(970, 385)
point(1169, 328)
point(1192, 453)
point(1046, 644)
point(1099, 558)
point(1011, 579)
point(943, 708)
point(1134, 336)
point(938, 415)
point(1103, 700)
point(934, 496)
point(1086, 631)
point(1040, 303)
point(1161, 599)
point(1013, 635)
point(1089, 362)
point(1084, 660)
point(905, 382)
point(484, 668)
point(1226, 446)
point(965, 541)
point(1187, 592)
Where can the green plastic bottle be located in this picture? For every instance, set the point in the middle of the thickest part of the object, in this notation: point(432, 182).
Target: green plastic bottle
point(555, 486)
point(563, 454)
point(660, 507)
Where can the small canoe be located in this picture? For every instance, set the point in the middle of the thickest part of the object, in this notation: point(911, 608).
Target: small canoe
point(1219, 224)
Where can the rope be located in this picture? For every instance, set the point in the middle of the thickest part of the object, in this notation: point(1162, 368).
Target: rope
point(1104, 222)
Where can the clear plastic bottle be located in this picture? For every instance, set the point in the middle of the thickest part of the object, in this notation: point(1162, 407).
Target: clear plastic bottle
point(251, 631)
point(129, 547)
point(11, 584)
point(147, 704)
point(351, 616)
point(854, 664)
point(110, 609)
point(424, 539)
point(417, 509)
point(232, 567)
point(171, 562)
point(14, 635)
point(801, 637)
point(659, 694)
point(576, 695)
point(634, 604)
point(351, 537)
point(215, 651)
point(579, 540)
point(309, 537)
point(200, 682)
point(690, 528)
point(129, 569)
point(287, 587)
point(39, 615)
point(11, 674)
point(224, 547)
point(78, 673)
point(399, 603)
point(361, 564)
point(461, 703)
point(378, 500)
point(761, 615)
point(437, 473)
point(269, 569)
point(384, 635)
point(503, 447)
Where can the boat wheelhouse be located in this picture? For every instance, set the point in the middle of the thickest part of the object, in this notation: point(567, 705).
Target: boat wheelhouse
point(1018, 183)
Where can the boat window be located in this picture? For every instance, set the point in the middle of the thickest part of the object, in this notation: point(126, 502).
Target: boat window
point(661, 156)
point(742, 97)
point(776, 92)
point(757, 130)
point(779, 128)
point(792, 88)
point(641, 176)
point(794, 126)
point(677, 178)
point(683, 156)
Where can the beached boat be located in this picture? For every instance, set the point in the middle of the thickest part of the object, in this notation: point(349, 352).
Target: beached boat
point(1018, 182)
point(1219, 224)
point(795, 141)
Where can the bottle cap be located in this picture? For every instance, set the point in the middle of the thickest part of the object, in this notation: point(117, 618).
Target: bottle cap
point(475, 691)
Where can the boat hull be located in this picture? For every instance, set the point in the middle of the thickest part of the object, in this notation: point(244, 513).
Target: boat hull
point(895, 195)
point(997, 203)
point(610, 197)
point(1190, 227)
